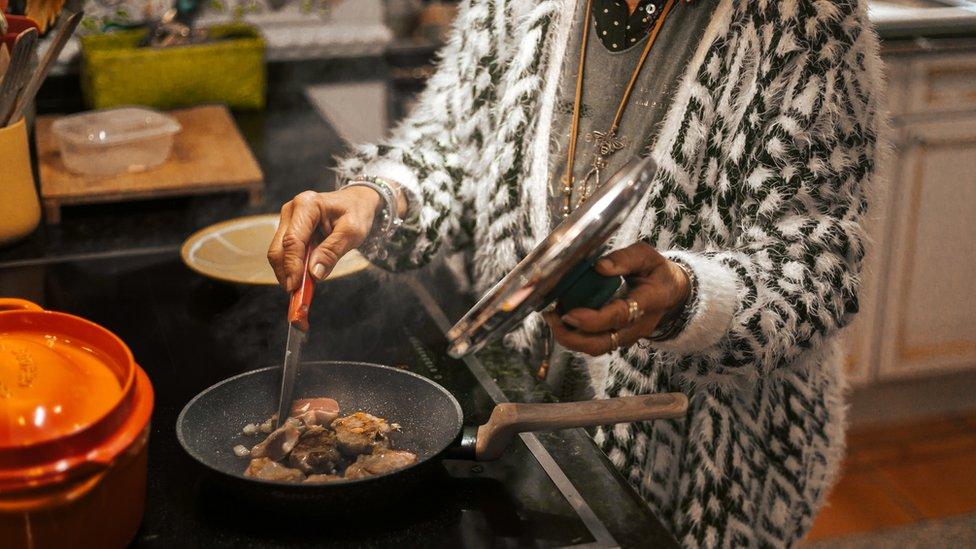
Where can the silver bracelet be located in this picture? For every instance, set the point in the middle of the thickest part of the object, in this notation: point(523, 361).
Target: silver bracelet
point(670, 328)
point(375, 244)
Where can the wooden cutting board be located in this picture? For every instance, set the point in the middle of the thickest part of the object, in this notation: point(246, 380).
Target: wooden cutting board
point(209, 156)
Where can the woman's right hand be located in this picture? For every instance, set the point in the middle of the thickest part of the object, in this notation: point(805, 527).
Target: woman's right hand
point(344, 218)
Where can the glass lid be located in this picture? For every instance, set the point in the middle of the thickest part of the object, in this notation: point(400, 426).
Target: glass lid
point(536, 280)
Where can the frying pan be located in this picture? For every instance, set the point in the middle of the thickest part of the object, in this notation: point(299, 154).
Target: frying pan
point(432, 424)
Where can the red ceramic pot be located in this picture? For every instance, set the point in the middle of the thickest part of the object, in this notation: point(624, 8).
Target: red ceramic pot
point(74, 427)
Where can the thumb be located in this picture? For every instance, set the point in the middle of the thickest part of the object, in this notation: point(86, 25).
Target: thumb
point(640, 259)
point(344, 237)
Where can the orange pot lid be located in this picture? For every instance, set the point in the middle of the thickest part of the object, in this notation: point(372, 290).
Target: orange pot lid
point(52, 385)
point(67, 388)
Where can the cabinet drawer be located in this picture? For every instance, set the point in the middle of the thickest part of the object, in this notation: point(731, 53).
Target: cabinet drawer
point(932, 83)
point(949, 84)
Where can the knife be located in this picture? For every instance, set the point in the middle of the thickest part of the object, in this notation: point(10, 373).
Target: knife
point(301, 300)
point(61, 36)
point(17, 71)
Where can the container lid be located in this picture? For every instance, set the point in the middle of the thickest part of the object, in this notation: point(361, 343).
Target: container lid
point(530, 285)
point(114, 126)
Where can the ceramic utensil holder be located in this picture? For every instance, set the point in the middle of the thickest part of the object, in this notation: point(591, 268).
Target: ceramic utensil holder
point(20, 211)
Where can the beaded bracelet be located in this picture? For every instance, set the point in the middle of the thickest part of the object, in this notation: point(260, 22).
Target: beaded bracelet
point(670, 328)
point(375, 244)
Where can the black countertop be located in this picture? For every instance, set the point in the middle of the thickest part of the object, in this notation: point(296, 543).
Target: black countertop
point(119, 266)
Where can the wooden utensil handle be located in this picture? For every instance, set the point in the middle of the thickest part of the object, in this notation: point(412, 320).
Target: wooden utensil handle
point(509, 419)
point(301, 299)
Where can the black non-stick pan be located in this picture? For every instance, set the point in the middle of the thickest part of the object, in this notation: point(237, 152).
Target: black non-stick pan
point(431, 421)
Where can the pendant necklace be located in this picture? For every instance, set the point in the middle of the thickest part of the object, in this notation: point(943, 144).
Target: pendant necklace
point(605, 143)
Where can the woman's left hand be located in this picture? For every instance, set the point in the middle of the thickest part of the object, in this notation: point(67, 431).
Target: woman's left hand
point(659, 288)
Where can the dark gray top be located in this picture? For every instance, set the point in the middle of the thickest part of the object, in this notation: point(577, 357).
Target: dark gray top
point(606, 76)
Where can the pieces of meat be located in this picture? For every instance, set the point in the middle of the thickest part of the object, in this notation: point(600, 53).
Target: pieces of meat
point(316, 446)
point(381, 461)
point(316, 451)
point(315, 411)
point(360, 433)
point(319, 479)
point(268, 469)
point(279, 443)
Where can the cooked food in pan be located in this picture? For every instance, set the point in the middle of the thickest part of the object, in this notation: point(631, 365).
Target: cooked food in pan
point(317, 445)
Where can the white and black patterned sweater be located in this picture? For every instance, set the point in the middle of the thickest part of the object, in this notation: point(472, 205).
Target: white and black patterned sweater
point(766, 155)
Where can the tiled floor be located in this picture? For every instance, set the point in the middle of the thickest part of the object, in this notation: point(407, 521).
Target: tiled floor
point(901, 474)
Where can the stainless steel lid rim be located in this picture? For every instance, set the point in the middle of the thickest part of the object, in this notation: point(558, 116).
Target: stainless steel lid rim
point(528, 287)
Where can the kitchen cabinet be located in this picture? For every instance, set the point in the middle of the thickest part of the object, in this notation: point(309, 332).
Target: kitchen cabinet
point(919, 290)
point(929, 320)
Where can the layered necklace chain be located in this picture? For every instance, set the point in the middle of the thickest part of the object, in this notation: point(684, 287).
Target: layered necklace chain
point(604, 143)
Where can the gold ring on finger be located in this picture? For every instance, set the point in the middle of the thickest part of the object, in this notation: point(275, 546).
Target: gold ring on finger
point(614, 339)
point(634, 311)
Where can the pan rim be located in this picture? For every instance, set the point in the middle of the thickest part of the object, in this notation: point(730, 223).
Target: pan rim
point(313, 486)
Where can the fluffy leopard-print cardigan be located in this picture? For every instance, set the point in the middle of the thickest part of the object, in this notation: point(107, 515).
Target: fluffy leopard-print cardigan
point(765, 157)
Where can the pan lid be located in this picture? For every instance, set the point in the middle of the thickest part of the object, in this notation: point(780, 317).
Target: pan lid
point(69, 395)
point(536, 280)
point(53, 385)
point(59, 374)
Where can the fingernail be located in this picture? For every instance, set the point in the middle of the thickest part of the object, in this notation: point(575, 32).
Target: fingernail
point(318, 271)
point(571, 320)
point(289, 282)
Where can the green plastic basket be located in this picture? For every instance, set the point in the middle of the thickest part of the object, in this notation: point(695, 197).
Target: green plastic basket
point(115, 71)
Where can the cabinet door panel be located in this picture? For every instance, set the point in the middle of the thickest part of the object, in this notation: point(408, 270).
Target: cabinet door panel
point(930, 313)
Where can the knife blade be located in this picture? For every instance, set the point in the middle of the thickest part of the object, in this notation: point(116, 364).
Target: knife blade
point(301, 300)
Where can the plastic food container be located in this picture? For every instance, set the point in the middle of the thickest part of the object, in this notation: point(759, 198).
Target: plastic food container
point(114, 141)
point(74, 428)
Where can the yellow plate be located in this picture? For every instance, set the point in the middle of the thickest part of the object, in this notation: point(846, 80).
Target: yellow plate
point(237, 251)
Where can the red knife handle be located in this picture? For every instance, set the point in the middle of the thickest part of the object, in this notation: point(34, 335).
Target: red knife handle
point(301, 299)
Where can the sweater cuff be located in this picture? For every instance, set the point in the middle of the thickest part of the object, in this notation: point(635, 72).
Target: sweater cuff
point(716, 304)
point(400, 174)
point(392, 170)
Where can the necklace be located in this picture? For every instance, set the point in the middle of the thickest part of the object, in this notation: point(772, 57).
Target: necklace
point(604, 143)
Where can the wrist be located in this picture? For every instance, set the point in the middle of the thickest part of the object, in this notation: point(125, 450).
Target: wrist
point(387, 217)
point(682, 289)
point(686, 296)
point(366, 196)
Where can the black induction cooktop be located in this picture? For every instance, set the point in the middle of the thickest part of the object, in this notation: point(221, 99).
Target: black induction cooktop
point(188, 332)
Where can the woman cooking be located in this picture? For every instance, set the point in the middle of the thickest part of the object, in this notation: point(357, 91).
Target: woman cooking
point(742, 261)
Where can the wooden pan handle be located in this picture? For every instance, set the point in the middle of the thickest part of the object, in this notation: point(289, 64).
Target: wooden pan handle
point(509, 419)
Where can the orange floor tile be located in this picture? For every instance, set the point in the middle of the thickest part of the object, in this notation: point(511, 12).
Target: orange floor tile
point(937, 487)
point(860, 502)
point(900, 474)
